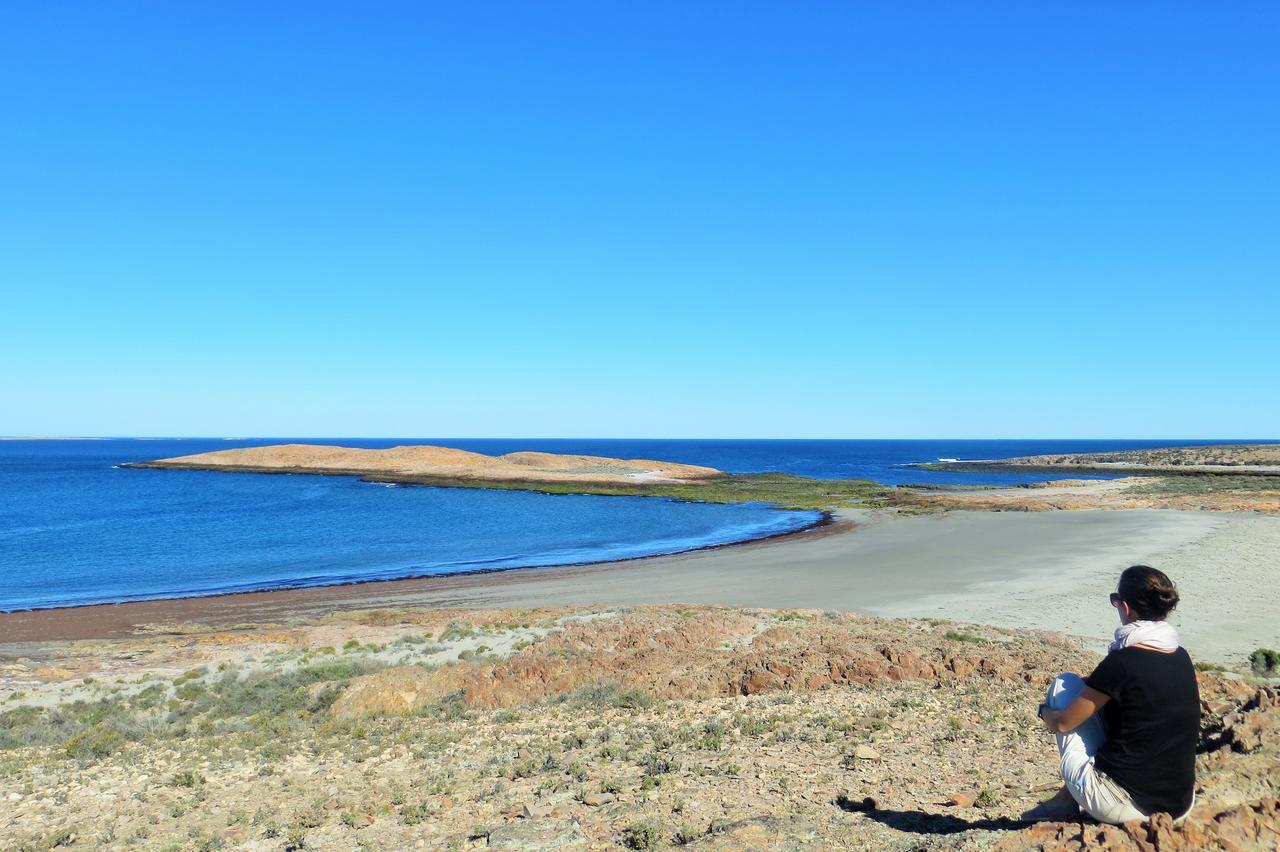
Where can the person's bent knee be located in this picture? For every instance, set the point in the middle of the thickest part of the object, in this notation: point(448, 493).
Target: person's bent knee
point(1063, 690)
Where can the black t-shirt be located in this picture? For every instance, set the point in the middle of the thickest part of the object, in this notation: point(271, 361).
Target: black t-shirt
point(1153, 723)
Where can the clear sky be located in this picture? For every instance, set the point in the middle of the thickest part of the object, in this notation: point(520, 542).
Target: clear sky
point(726, 219)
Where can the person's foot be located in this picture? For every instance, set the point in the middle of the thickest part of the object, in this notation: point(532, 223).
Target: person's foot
point(1062, 807)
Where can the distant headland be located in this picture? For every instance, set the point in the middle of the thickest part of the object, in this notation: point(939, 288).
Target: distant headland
point(1229, 459)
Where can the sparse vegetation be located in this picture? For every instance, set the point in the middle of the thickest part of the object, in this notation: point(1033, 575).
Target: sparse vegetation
point(602, 695)
point(642, 835)
point(253, 754)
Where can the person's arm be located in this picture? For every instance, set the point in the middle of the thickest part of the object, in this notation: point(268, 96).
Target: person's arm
point(1089, 701)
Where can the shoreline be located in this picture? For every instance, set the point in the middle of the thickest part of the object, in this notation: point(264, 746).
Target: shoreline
point(826, 518)
point(108, 620)
point(1021, 570)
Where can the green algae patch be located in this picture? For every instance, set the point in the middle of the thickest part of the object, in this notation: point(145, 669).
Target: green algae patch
point(784, 490)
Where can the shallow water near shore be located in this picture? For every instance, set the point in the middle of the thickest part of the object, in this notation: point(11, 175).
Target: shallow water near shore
point(76, 529)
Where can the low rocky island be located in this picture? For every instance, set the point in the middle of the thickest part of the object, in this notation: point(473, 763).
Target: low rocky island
point(428, 464)
point(550, 473)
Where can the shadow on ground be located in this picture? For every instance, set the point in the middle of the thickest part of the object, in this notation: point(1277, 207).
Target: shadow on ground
point(919, 822)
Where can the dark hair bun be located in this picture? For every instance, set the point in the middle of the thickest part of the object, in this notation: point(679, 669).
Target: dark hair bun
point(1148, 592)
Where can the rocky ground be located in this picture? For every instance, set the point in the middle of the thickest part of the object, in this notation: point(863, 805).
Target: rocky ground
point(578, 728)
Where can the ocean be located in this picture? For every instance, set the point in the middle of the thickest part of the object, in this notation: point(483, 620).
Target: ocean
point(76, 529)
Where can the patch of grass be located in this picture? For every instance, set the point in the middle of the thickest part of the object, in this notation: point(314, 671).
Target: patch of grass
point(646, 834)
point(685, 835)
point(1210, 667)
point(1192, 484)
point(962, 636)
point(60, 837)
point(186, 778)
point(271, 703)
point(415, 814)
point(457, 630)
point(656, 764)
point(609, 694)
point(94, 743)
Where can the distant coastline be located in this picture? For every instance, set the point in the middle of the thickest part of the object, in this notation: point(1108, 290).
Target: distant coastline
point(1219, 459)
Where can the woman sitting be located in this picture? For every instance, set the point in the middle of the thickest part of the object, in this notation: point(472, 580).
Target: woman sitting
point(1127, 733)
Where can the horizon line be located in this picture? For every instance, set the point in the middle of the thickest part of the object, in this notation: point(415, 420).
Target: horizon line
point(1250, 440)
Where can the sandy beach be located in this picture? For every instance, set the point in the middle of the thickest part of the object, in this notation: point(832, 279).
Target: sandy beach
point(1045, 570)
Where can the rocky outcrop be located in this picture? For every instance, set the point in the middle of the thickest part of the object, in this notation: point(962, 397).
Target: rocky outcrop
point(1254, 826)
point(1240, 751)
point(672, 653)
point(392, 692)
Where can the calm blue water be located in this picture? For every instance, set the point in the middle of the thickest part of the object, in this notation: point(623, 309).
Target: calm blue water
point(74, 529)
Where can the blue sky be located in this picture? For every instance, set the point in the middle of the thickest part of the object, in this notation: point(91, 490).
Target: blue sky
point(685, 220)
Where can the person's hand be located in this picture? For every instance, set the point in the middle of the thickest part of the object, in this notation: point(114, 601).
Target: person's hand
point(1048, 715)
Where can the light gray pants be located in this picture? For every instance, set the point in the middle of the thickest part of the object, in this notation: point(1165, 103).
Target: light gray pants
point(1102, 798)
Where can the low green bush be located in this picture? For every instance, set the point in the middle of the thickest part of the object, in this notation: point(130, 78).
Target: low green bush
point(1265, 662)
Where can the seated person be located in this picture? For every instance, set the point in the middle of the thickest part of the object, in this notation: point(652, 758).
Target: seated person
point(1127, 733)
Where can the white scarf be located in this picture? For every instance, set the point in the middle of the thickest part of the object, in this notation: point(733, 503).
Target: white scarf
point(1160, 635)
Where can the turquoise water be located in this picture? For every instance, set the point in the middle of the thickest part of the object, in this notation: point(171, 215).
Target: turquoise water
point(76, 529)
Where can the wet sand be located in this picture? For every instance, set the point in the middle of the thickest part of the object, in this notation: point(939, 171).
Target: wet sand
point(1049, 570)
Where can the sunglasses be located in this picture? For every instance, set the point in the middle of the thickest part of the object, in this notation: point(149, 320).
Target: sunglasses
point(1116, 599)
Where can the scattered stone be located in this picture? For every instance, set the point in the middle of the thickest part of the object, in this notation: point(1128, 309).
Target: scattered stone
point(866, 752)
point(960, 800)
point(541, 836)
point(595, 800)
point(531, 811)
